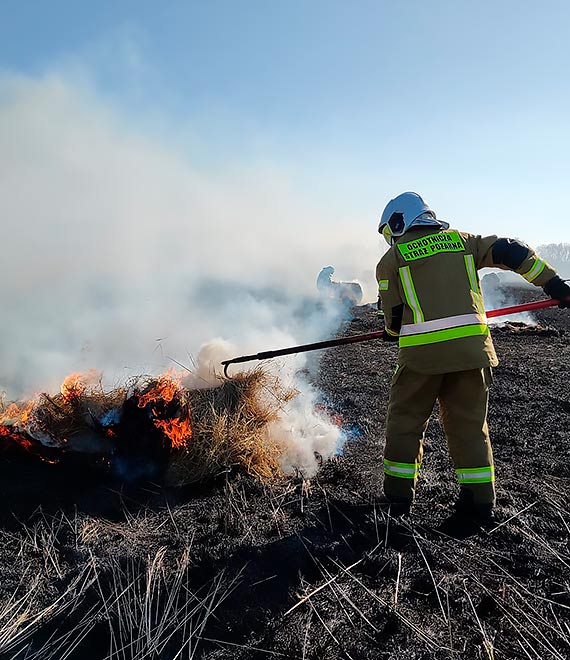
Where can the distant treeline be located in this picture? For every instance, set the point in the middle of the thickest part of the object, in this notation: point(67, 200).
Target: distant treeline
point(558, 255)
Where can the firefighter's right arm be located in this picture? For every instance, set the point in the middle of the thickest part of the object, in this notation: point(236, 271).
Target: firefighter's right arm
point(392, 304)
point(511, 254)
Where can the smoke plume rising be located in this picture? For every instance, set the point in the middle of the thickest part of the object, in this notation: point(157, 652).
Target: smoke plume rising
point(122, 253)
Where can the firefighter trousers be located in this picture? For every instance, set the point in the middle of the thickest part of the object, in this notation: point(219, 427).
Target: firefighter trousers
point(463, 397)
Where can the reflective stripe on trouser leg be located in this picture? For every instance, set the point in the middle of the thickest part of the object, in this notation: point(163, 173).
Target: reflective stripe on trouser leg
point(412, 397)
point(401, 470)
point(463, 404)
point(480, 475)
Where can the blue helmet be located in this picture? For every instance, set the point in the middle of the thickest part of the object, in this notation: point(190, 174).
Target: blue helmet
point(404, 211)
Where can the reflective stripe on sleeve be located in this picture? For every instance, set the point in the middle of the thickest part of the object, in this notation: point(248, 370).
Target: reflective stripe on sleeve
point(443, 324)
point(537, 268)
point(382, 285)
point(401, 470)
point(444, 335)
point(472, 273)
point(410, 293)
point(474, 282)
point(480, 475)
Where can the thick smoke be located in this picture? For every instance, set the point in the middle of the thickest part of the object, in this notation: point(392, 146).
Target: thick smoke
point(498, 292)
point(124, 254)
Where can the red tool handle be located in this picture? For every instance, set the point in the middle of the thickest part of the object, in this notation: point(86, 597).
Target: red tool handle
point(525, 307)
point(504, 311)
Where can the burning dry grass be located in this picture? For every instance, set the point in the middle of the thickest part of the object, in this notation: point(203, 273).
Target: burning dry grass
point(197, 433)
point(231, 429)
point(75, 415)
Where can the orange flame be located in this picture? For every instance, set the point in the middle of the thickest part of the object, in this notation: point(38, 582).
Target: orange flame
point(72, 387)
point(8, 432)
point(166, 388)
point(178, 431)
point(17, 414)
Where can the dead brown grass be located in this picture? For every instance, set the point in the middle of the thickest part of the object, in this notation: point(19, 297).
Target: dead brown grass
point(64, 418)
point(204, 432)
point(230, 429)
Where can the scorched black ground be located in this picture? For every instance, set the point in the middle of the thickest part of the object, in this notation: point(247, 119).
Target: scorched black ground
point(299, 569)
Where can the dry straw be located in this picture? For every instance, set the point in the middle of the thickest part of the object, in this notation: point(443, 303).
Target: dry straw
point(226, 427)
point(231, 429)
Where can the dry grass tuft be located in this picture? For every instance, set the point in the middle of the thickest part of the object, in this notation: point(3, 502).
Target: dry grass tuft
point(74, 413)
point(201, 433)
point(230, 426)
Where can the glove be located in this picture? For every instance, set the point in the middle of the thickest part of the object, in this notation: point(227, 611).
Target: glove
point(386, 336)
point(558, 289)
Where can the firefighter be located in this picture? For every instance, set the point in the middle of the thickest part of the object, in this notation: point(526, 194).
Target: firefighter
point(432, 302)
point(346, 293)
point(325, 282)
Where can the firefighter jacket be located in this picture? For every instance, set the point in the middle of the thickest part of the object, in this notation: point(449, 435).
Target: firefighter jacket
point(431, 295)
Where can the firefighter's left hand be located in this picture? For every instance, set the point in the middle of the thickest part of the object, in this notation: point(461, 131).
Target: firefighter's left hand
point(386, 336)
point(558, 289)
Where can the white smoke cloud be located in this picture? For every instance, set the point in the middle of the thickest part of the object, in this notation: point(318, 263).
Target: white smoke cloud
point(123, 254)
point(119, 251)
point(302, 431)
point(497, 289)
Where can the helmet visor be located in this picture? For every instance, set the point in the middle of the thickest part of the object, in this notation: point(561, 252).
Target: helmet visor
point(387, 233)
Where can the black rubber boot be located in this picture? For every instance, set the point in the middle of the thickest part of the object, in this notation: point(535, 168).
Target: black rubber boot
point(483, 514)
point(469, 517)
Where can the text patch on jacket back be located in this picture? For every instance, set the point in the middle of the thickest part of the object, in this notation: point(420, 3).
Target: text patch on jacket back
point(427, 246)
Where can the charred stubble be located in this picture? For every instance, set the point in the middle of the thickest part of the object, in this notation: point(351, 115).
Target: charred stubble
point(240, 569)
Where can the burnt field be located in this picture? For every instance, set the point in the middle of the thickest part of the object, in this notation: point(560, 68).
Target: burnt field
point(93, 568)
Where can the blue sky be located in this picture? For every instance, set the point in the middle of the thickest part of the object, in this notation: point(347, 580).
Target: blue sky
point(465, 102)
point(159, 162)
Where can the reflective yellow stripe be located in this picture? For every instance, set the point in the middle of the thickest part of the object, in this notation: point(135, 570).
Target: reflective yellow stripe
point(472, 273)
point(382, 285)
point(443, 324)
point(444, 335)
point(401, 470)
point(474, 282)
point(411, 295)
point(481, 475)
point(537, 268)
point(392, 333)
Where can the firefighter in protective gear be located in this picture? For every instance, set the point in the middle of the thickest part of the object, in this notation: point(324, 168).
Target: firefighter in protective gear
point(346, 293)
point(431, 296)
point(325, 282)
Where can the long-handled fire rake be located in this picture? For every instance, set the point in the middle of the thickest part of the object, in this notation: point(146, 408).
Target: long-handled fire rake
point(303, 348)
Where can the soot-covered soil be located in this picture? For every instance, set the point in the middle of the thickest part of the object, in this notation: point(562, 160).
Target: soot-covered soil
point(94, 569)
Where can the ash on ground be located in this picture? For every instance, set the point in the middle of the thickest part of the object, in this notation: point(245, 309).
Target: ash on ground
point(296, 569)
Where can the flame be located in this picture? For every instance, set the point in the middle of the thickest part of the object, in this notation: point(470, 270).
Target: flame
point(7, 432)
point(166, 388)
point(164, 400)
point(74, 385)
point(177, 430)
point(13, 433)
point(17, 414)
